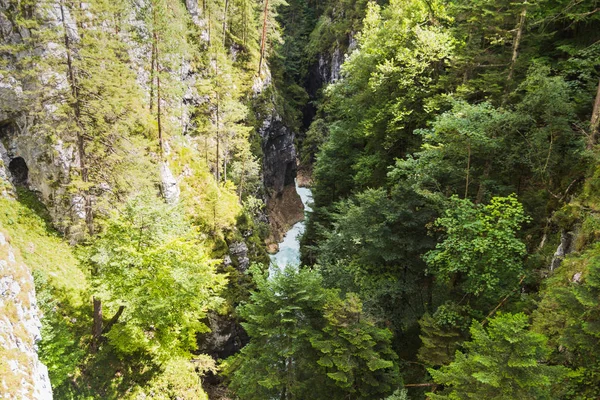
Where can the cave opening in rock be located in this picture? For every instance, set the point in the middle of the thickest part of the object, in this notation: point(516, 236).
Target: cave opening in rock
point(19, 171)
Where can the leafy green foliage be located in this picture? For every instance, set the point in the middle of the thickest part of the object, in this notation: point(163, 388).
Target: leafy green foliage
point(481, 253)
point(504, 361)
point(147, 261)
point(568, 314)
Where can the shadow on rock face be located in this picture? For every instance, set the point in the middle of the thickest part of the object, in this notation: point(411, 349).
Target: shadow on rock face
point(19, 171)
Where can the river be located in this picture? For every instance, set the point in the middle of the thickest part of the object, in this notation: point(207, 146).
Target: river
point(289, 248)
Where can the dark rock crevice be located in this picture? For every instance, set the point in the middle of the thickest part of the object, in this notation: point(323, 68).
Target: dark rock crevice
point(19, 171)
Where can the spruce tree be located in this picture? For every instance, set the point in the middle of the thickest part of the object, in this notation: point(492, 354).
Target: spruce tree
point(504, 361)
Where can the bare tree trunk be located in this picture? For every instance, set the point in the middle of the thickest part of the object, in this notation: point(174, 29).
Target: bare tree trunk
point(152, 75)
point(225, 21)
point(244, 23)
point(468, 169)
point(595, 121)
point(89, 217)
point(515, 52)
point(113, 320)
point(156, 74)
point(264, 36)
point(225, 156)
point(209, 25)
point(217, 172)
point(158, 115)
point(481, 189)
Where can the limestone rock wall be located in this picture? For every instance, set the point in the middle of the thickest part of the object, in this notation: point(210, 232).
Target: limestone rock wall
point(22, 375)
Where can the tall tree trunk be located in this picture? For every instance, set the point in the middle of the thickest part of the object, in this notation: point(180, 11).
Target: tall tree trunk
point(77, 111)
point(217, 171)
point(89, 217)
point(225, 156)
point(486, 175)
point(158, 117)
point(152, 75)
point(515, 53)
point(156, 73)
point(242, 179)
point(595, 121)
point(468, 169)
point(225, 21)
point(209, 25)
point(264, 36)
point(244, 23)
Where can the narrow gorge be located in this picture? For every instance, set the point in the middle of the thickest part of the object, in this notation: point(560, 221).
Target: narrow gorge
point(299, 200)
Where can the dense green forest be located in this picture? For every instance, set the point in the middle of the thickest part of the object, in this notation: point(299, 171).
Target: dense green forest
point(451, 147)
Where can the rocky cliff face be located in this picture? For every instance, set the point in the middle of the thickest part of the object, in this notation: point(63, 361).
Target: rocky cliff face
point(284, 207)
point(22, 375)
point(27, 157)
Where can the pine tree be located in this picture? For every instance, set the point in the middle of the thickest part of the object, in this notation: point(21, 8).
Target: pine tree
point(282, 316)
point(355, 353)
point(439, 341)
point(307, 342)
point(504, 361)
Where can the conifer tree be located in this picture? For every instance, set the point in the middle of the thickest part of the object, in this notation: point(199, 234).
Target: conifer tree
point(307, 342)
point(355, 353)
point(503, 361)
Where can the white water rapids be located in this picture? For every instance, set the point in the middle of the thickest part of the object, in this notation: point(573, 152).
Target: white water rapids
point(289, 248)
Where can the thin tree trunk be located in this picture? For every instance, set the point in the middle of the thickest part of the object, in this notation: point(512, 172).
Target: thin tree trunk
point(209, 30)
point(152, 75)
point(89, 218)
point(77, 111)
point(264, 36)
point(158, 115)
point(244, 23)
point(241, 188)
point(468, 169)
point(486, 174)
point(225, 21)
point(515, 52)
point(595, 121)
point(113, 320)
point(225, 162)
point(218, 176)
point(206, 150)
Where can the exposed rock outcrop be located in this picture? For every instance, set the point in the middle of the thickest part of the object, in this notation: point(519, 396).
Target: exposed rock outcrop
point(239, 250)
point(170, 189)
point(284, 206)
point(226, 337)
point(22, 375)
point(564, 248)
point(279, 159)
point(284, 211)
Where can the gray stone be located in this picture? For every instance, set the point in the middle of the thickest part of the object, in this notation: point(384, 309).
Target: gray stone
point(192, 7)
point(21, 335)
point(564, 248)
point(239, 250)
point(169, 186)
point(279, 154)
